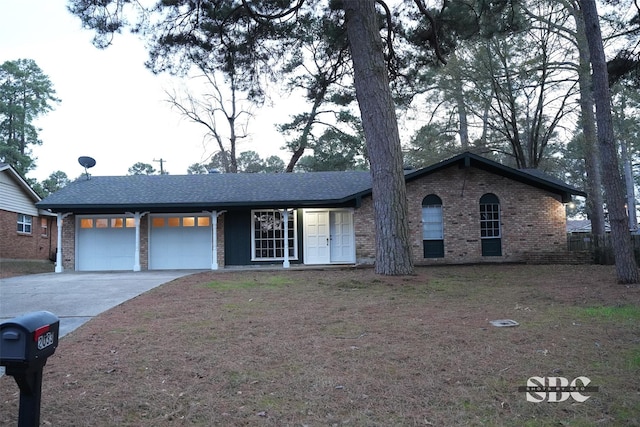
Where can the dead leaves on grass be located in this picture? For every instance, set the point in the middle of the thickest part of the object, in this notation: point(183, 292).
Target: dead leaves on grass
point(311, 348)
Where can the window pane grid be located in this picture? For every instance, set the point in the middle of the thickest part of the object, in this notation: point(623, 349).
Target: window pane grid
point(24, 223)
point(489, 220)
point(186, 221)
point(432, 228)
point(268, 235)
point(108, 222)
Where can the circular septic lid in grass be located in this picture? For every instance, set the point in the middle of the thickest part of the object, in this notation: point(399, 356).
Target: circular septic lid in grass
point(504, 323)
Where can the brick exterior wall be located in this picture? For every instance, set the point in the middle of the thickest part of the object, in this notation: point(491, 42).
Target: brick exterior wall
point(365, 229)
point(28, 246)
point(144, 243)
point(69, 243)
point(532, 220)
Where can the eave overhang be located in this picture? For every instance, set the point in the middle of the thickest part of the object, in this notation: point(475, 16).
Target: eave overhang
point(83, 209)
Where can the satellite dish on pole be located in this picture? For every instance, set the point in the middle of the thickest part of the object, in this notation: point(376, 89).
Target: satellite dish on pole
point(86, 162)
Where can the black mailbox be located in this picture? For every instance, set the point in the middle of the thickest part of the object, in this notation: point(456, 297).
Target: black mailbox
point(28, 339)
point(26, 342)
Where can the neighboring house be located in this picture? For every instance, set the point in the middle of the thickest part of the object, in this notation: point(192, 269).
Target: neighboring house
point(26, 232)
point(463, 210)
point(582, 226)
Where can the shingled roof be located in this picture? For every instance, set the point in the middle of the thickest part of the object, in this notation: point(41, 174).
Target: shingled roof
point(211, 191)
point(180, 193)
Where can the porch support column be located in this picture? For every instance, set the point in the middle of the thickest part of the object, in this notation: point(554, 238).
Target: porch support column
point(214, 239)
point(285, 220)
point(59, 220)
point(137, 216)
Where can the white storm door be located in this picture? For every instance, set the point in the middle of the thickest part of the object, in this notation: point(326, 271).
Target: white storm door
point(342, 237)
point(316, 237)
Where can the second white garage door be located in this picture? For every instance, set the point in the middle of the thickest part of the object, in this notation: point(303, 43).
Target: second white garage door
point(180, 242)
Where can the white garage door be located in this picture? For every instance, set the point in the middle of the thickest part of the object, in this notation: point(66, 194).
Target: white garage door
point(105, 243)
point(180, 242)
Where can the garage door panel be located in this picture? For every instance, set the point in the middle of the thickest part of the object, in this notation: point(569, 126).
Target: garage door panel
point(104, 249)
point(180, 244)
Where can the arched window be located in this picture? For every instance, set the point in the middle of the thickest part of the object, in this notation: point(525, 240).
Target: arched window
point(490, 230)
point(432, 227)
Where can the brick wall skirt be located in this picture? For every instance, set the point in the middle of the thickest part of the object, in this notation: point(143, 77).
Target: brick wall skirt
point(34, 245)
point(564, 257)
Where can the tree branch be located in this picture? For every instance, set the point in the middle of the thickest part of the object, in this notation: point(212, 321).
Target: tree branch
point(434, 27)
point(260, 16)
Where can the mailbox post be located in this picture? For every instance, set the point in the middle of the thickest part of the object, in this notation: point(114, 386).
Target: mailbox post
point(26, 342)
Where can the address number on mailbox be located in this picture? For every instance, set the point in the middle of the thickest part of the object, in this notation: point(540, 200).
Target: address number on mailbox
point(45, 340)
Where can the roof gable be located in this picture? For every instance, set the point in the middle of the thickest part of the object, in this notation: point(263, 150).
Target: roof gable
point(532, 177)
point(16, 195)
point(19, 181)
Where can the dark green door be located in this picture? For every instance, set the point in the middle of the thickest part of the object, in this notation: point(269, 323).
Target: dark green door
point(237, 237)
point(490, 227)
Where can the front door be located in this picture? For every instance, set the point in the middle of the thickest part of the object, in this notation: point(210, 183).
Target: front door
point(328, 237)
point(341, 238)
point(316, 237)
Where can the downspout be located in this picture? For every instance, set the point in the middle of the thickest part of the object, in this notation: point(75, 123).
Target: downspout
point(50, 236)
point(59, 220)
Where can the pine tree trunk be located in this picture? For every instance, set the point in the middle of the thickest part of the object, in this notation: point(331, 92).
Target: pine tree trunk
point(626, 268)
point(595, 203)
point(458, 94)
point(393, 253)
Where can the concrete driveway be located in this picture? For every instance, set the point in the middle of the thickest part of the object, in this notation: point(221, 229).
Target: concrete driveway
point(76, 297)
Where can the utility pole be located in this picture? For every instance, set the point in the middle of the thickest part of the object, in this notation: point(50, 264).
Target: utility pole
point(161, 161)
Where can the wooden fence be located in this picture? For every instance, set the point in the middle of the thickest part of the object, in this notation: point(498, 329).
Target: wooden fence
point(600, 247)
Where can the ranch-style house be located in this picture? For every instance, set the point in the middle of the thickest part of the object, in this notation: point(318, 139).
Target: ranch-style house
point(466, 209)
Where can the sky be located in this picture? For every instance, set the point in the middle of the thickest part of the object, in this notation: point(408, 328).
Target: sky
point(112, 108)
